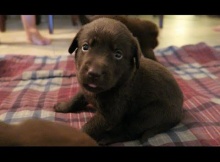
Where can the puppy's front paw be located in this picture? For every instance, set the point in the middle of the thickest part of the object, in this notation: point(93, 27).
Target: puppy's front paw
point(62, 107)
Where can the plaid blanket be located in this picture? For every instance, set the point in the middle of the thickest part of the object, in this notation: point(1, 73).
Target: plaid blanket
point(31, 85)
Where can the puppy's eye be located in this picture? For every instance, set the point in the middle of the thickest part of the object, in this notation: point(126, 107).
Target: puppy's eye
point(85, 47)
point(118, 54)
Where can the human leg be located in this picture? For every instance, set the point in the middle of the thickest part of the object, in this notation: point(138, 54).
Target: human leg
point(33, 35)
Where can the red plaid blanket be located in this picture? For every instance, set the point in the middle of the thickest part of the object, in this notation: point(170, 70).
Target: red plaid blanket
point(31, 85)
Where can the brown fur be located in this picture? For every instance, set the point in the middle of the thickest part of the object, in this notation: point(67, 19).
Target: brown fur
point(134, 96)
point(35, 132)
point(146, 31)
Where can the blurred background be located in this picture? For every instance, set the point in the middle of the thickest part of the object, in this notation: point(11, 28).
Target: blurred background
point(176, 30)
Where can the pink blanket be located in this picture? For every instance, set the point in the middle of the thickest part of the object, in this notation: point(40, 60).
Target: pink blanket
point(30, 86)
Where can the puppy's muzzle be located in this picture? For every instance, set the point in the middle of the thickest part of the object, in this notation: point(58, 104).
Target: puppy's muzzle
point(95, 74)
point(94, 80)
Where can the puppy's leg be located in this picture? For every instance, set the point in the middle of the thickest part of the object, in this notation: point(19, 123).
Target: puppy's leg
point(123, 135)
point(96, 127)
point(109, 127)
point(76, 104)
point(156, 130)
point(109, 139)
point(119, 134)
point(155, 119)
point(147, 123)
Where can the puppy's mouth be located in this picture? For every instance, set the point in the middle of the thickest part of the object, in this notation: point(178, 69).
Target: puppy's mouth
point(92, 87)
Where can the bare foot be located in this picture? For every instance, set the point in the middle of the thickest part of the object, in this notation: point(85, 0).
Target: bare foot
point(217, 28)
point(37, 39)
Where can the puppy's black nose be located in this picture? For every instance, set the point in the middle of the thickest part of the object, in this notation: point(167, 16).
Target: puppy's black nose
point(92, 73)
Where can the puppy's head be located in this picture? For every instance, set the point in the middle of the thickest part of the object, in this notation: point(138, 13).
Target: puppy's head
point(106, 55)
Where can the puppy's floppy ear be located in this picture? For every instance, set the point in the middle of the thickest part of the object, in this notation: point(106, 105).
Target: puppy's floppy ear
point(74, 44)
point(136, 52)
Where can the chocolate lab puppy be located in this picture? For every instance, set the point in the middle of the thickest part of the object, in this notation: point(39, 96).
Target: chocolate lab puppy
point(145, 31)
point(36, 132)
point(135, 97)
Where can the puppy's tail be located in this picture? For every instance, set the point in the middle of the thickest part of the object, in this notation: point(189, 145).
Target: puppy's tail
point(84, 19)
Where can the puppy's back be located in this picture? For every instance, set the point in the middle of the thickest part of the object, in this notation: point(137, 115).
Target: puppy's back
point(155, 82)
